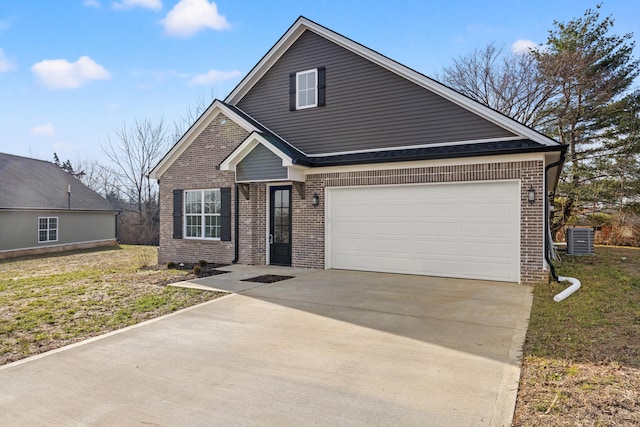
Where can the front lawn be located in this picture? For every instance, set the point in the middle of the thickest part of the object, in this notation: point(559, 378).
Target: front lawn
point(50, 301)
point(582, 355)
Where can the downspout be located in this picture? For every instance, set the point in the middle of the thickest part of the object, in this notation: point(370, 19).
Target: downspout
point(575, 283)
point(547, 238)
point(117, 215)
point(236, 221)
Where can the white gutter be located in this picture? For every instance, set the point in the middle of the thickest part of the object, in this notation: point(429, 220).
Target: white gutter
point(575, 285)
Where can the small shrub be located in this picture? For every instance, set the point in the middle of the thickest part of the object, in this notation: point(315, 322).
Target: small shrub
point(203, 263)
point(171, 265)
point(197, 270)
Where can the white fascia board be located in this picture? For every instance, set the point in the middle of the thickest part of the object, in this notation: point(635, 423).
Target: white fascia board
point(303, 24)
point(296, 173)
point(194, 131)
point(413, 147)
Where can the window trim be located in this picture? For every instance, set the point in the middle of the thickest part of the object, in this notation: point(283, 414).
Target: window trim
point(49, 228)
point(315, 104)
point(202, 215)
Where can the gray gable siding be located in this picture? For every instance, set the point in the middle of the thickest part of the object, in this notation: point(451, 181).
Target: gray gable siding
point(367, 107)
point(260, 165)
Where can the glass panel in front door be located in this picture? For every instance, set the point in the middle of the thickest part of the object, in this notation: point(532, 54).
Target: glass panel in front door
point(281, 216)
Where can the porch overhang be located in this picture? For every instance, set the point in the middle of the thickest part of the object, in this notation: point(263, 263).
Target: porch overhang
point(294, 172)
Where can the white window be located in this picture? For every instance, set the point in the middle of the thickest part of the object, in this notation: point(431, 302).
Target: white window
point(202, 214)
point(307, 89)
point(47, 229)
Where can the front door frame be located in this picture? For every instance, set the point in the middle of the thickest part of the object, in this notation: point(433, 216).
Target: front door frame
point(269, 216)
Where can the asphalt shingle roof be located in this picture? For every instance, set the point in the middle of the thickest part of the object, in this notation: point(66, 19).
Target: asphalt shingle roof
point(36, 184)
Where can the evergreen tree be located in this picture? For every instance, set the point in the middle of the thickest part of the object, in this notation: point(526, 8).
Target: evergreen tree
point(592, 70)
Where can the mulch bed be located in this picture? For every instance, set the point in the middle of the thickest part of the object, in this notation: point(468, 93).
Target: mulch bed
point(210, 269)
point(267, 278)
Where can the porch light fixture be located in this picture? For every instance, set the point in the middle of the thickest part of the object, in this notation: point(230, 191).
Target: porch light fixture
point(315, 200)
point(532, 195)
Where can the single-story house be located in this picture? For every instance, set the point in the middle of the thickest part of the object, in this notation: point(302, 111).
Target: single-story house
point(331, 155)
point(45, 209)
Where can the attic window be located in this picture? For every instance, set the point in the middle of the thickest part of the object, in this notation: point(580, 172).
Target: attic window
point(307, 89)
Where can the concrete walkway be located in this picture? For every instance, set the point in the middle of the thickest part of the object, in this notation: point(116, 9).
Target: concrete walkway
point(325, 348)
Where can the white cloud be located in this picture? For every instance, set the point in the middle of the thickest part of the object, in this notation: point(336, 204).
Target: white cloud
point(145, 4)
point(190, 16)
point(5, 63)
point(213, 77)
point(92, 3)
point(46, 129)
point(62, 74)
point(523, 47)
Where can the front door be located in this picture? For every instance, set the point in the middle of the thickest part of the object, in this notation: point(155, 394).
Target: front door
point(280, 225)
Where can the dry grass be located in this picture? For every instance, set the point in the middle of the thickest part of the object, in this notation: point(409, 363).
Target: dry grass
point(48, 302)
point(582, 356)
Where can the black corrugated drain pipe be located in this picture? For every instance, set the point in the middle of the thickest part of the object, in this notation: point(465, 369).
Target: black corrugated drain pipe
point(547, 232)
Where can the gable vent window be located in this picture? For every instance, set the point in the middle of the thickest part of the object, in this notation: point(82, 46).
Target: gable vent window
point(306, 89)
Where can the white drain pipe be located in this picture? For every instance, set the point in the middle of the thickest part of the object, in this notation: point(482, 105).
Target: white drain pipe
point(575, 285)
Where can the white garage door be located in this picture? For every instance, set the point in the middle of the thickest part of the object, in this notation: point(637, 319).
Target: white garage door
point(468, 230)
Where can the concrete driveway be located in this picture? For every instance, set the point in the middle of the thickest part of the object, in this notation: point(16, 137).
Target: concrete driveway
point(325, 348)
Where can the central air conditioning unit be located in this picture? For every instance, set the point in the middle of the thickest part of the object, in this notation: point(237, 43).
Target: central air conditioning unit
point(580, 241)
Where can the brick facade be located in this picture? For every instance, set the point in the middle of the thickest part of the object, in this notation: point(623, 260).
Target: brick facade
point(198, 168)
point(308, 222)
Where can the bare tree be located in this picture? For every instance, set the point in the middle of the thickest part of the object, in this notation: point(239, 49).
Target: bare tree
point(135, 150)
point(100, 178)
point(134, 153)
point(191, 115)
point(509, 83)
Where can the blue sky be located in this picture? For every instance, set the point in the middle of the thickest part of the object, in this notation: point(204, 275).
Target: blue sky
point(74, 71)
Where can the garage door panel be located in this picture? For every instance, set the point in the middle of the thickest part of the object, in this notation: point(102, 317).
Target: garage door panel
point(487, 210)
point(436, 248)
point(445, 210)
point(482, 249)
point(488, 230)
point(468, 230)
point(488, 271)
point(439, 267)
point(348, 243)
point(390, 247)
point(436, 229)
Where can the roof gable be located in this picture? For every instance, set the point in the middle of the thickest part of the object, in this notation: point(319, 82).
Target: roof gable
point(37, 184)
point(209, 115)
point(367, 107)
point(297, 30)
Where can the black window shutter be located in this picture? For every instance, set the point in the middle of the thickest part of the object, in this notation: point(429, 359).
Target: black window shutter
point(292, 92)
point(320, 86)
point(225, 214)
point(177, 214)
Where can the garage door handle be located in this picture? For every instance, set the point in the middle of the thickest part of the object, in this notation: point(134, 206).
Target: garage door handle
point(271, 239)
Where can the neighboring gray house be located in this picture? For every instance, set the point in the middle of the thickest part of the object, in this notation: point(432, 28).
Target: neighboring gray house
point(331, 155)
point(38, 214)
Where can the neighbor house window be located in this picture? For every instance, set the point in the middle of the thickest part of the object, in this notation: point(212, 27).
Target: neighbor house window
point(307, 89)
point(202, 214)
point(47, 229)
